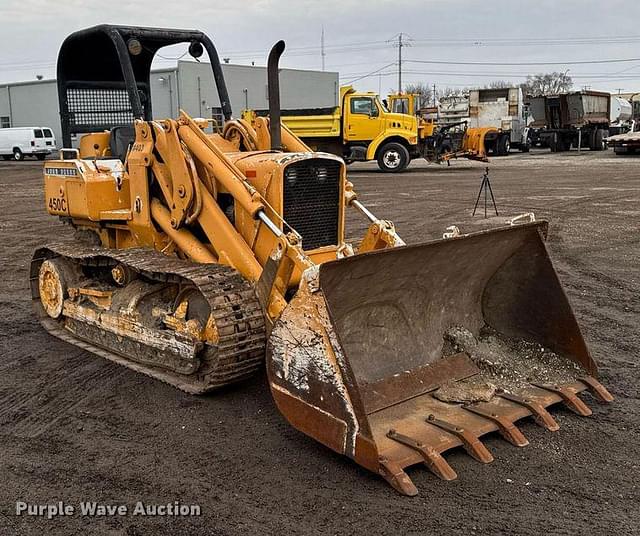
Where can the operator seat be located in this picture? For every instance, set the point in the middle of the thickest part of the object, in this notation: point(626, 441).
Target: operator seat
point(120, 140)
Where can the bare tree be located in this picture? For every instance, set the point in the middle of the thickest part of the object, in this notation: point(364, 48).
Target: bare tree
point(420, 88)
point(547, 84)
point(499, 84)
point(452, 91)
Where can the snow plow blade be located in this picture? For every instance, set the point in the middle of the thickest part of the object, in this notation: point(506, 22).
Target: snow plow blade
point(394, 357)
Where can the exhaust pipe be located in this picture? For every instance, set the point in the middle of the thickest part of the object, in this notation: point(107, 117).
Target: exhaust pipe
point(273, 82)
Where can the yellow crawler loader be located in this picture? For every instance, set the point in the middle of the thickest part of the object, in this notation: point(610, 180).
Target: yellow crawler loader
point(197, 253)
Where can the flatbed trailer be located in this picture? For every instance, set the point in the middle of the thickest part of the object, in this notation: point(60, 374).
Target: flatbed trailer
point(628, 143)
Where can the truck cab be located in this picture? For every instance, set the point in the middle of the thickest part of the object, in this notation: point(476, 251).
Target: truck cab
point(370, 131)
point(413, 104)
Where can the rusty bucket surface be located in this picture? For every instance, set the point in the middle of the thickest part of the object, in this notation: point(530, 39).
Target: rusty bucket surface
point(363, 361)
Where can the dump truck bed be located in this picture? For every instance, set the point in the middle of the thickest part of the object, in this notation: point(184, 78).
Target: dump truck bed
point(588, 107)
point(313, 122)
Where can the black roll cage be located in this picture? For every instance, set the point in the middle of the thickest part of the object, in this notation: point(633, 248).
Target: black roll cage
point(95, 65)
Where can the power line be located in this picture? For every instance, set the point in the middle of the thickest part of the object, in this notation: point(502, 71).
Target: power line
point(522, 63)
point(520, 41)
point(371, 73)
point(378, 72)
point(603, 76)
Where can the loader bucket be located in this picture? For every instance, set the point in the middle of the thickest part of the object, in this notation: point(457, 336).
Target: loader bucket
point(394, 357)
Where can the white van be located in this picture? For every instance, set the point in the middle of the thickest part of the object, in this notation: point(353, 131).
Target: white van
point(18, 142)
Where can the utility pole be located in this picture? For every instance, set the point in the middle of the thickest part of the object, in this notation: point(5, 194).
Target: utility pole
point(434, 95)
point(400, 45)
point(322, 53)
point(404, 40)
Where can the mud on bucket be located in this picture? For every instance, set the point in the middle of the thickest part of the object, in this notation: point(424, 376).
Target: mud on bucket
point(382, 341)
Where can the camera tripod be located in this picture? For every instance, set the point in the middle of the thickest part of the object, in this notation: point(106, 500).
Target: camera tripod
point(488, 191)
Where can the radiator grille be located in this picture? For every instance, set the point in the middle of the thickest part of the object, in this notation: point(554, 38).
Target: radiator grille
point(312, 201)
point(97, 107)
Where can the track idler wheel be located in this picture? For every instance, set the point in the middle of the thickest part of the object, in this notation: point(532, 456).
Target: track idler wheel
point(53, 281)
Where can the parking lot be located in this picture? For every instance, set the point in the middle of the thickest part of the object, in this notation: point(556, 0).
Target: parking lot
point(75, 427)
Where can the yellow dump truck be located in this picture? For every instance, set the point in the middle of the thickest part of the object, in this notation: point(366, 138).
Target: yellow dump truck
point(361, 128)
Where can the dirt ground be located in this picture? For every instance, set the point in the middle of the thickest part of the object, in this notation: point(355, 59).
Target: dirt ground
point(74, 427)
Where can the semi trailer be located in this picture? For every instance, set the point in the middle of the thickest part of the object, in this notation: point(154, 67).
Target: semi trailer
point(579, 119)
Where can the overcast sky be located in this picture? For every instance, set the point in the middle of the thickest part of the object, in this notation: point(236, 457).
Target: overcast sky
point(359, 36)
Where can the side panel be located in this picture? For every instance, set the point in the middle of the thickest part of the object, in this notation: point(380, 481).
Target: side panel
point(587, 108)
point(314, 126)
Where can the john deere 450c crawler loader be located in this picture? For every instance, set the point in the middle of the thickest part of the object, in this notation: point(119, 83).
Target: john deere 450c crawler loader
point(198, 253)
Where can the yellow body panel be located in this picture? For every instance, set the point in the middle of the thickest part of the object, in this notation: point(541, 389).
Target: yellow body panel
point(94, 145)
point(90, 190)
point(115, 199)
point(410, 138)
point(473, 142)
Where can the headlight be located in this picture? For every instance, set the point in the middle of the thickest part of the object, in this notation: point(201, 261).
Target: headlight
point(291, 176)
point(322, 174)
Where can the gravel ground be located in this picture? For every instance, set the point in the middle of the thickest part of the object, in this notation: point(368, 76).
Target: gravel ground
point(74, 427)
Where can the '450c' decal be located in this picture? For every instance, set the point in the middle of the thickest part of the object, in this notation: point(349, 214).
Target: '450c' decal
point(57, 204)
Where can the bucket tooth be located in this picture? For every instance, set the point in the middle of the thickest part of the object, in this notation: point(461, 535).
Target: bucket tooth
point(471, 443)
point(597, 389)
point(432, 459)
point(506, 428)
point(395, 475)
point(540, 414)
point(569, 397)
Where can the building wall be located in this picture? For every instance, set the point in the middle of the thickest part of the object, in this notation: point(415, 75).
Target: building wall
point(5, 108)
point(188, 86)
point(36, 105)
point(164, 93)
point(32, 104)
point(298, 89)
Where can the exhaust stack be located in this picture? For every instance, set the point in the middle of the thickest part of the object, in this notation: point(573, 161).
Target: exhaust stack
point(273, 82)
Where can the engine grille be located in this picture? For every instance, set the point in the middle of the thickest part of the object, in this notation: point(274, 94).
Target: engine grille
point(312, 201)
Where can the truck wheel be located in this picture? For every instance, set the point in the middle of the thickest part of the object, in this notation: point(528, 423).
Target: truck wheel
point(504, 146)
point(6, 157)
point(526, 146)
point(393, 157)
point(17, 154)
point(598, 140)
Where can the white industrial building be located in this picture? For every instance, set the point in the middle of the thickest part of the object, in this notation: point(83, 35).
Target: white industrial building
point(188, 86)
